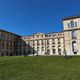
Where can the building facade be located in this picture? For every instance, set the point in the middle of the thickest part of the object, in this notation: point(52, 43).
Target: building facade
point(9, 43)
point(45, 44)
point(72, 35)
point(66, 42)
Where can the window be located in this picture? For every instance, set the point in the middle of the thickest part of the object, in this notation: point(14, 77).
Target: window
point(2, 43)
point(33, 36)
point(68, 25)
point(59, 51)
point(42, 42)
point(48, 51)
point(59, 41)
point(73, 33)
point(37, 42)
point(58, 46)
point(33, 43)
point(24, 44)
point(58, 34)
point(53, 41)
point(10, 44)
point(37, 48)
point(54, 51)
point(53, 34)
point(75, 24)
point(49, 35)
point(47, 46)
point(74, 47)
point(46, 35)
point(53, 46)
point(42, 36)
point(47, 41)
point(37, 36)
point(29, 51)
point(72, 24)
point(42, 48)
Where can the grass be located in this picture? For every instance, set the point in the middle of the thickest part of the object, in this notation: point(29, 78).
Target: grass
point(39, 68)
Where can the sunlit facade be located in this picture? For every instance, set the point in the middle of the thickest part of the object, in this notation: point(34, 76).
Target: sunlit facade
point(72, 35)
point(66, 42)
point(45, 44)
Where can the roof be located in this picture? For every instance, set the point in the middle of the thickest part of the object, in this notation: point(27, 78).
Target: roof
point(9, 32)
point(71, 17)
point(55, 32)
point(37, 33)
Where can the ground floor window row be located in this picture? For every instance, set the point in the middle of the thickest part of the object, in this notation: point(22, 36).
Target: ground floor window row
point(47, 51)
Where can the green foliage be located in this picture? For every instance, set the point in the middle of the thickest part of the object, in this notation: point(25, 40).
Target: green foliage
point(39, 68)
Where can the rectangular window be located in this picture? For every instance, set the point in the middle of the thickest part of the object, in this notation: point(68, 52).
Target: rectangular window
point(73, 33)
point(75, 24)
point(58, 34)
point(42, 48)
point(37, 42)
point(59, 41)
point(47, 41)
point(68, 25)
point(72, 24)
point(53, 34)
point(54, 51)
point(33, 36)
point(53, 41)
point(33, 43)
point(59, 51)
point(37, 36)
point(49, 35)
point(42, 42)
point(37, 48)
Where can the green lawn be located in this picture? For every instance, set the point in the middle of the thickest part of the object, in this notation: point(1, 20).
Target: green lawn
point(39, 68)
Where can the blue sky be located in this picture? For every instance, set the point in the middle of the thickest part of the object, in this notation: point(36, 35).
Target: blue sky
point(25, 17)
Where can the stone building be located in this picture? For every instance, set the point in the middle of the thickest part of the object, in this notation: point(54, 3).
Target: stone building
point(45, 44)
point(59, 43)
point(8, 43)
point(55, 43)
point(72, 35)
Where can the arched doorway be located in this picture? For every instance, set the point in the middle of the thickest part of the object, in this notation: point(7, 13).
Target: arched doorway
point(48, 51)
point(74, 47)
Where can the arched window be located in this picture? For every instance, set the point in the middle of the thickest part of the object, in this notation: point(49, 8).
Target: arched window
point(74, 47)
point(72, 24)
